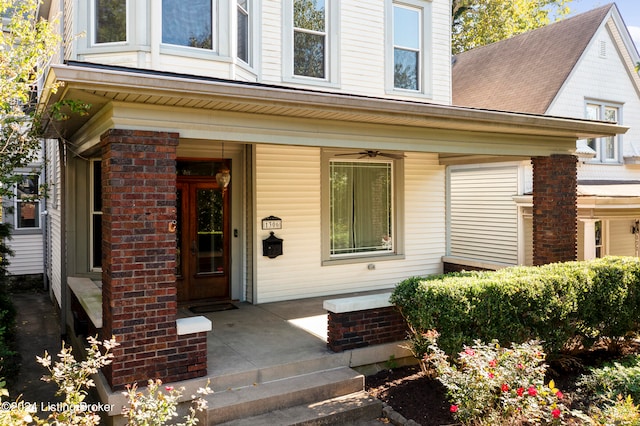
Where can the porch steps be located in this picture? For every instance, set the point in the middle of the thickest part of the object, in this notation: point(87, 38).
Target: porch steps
point(335, 396)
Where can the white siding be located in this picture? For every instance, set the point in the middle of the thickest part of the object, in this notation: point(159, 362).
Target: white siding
point(27, 254)
point(288, 186)
point(483, 215)
point(621, 241)
point(55, 256)
point(603, 79)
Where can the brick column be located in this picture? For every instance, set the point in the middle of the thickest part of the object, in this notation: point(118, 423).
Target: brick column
point(555, 209)
point(139, 299)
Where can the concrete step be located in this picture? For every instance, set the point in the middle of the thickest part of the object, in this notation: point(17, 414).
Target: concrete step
point(268, 396)
point(358, 408)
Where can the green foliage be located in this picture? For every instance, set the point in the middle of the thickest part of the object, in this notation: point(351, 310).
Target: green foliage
point(9, 359)
point(558, 304)
point(477, 23)
point(605, 384)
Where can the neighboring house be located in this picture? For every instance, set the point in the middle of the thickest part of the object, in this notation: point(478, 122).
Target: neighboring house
point(582, 67)
point(332, 120)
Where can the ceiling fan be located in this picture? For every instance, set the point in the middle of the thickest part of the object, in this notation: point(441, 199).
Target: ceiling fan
point(370, 153)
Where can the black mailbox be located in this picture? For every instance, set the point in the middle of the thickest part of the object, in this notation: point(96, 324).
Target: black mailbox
point(272, 246)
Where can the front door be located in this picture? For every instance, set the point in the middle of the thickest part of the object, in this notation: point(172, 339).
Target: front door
point(202, 237)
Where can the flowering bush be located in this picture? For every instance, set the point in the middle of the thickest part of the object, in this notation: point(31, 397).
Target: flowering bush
point(495, 385)
point(158, 407)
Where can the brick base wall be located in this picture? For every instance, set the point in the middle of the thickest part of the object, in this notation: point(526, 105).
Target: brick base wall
point(139, 295)
point(555, 209)
point(351, 330)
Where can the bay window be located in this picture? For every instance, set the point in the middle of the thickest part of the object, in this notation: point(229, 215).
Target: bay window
point(110, 17)
point(188, 24)
point(243, 30)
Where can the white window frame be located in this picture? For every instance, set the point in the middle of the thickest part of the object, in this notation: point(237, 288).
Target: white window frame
point(332, 33)
point(94, 26)
point(36, 201)
point(248, 11)
point(397, 213)
point(219, 33)
point(425, 63)
point(601, 143)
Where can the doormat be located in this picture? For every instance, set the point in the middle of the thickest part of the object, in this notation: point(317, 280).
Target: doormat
point(212, 307)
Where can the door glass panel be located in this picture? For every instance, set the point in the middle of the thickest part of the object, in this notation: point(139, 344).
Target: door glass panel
point(210, 221)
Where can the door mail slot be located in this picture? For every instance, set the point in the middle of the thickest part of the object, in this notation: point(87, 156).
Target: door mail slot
point(272, 246)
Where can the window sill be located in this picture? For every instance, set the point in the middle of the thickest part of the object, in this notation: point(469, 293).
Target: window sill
point(311, 81)
point(26, 231)
point(362, 259)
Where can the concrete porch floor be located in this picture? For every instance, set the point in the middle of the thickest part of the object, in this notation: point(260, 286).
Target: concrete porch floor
point(255, 338)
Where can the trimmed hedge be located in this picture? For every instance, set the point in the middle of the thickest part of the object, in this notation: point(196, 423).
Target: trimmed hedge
point(559, 304)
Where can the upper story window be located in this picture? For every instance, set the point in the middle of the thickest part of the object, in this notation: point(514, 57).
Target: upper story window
point(607, 149)
point(27, 205)
point(408, 46)
point(243, 19)
point(110, 21)
point(311, 31)
point(188, 23)
point(309, 38)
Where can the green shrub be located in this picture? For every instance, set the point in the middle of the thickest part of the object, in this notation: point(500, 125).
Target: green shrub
point(9, 359)
point(620, 378)
point(557, 304)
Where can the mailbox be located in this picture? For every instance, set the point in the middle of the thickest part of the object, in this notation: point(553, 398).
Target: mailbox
point(272, 246)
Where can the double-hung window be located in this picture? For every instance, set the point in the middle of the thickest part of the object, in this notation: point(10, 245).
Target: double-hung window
point(407, 46)
point(27, 205)
point(311, 28)
point(110, 18)
point(189, 23)
point(243, 21)
point(607, 149)
point(361, 205)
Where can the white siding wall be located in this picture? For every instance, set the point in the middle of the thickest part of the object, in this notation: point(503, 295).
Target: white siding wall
point(53, 220)
point(621, 241)
point(288, 186)
point(483, 215)
point(604, 79)
point(360, 45)
point(27, 258)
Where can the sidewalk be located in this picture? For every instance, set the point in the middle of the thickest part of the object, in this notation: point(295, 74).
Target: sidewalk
point(38, 329)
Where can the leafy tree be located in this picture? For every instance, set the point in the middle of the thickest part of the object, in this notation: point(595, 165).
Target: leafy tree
point(476, 23)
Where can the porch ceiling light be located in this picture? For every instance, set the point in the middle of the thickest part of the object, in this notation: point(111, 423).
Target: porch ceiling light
point(223, 177)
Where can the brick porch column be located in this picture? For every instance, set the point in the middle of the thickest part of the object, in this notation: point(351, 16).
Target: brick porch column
point(139, 298)
point(555, 209)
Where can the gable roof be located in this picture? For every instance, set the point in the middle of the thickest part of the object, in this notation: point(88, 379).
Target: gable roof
point(524, 73)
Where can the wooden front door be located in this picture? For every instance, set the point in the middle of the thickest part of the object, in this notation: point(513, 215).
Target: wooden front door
point(202, 238)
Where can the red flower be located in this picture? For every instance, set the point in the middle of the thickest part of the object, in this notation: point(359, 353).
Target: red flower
point(491, 375)
point(520, 391)
point(555, 413)
point(493, 363)
point(559, 395)
point(168, 388)
point(469, 352)
point(505, 387)
point(453, 408)
point(532, 391)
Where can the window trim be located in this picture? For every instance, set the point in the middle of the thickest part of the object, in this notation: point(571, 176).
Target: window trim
point(425, 77)
point(332, 31)
point(94, 26)
point(397, 214)
point(36, 201)
point(601, 142)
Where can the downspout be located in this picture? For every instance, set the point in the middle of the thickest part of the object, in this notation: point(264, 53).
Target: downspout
point(44, 216)
point(62, 161)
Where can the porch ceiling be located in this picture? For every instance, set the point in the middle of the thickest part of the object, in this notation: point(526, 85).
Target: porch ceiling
point(100, 86)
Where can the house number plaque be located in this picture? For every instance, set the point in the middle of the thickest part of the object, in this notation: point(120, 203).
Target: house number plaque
point(271, 222)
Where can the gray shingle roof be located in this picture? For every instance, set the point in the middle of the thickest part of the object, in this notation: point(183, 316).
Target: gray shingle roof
point(524, 73)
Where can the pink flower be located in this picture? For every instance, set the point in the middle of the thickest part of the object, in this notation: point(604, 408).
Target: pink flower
point(505, 387)
point(168, 388)
point(532, 391)
point(520, 391)
point(491, 375)
point(559, 395)
point(520, 366)
point(555, 413)
point(493, 363)
point(453, 408)
point(469, 352)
